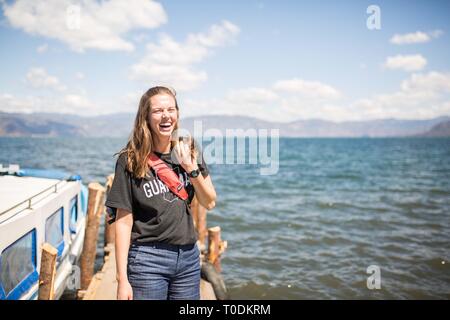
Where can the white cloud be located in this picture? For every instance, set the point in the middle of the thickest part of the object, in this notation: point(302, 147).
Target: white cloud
point(43, 48)
point(96, 25)
point(217, 36)
point(312, 89)
point(171, 63)
point(78, 101)
point(423, 95)
point(39, 78)
point(56, 100)
point(33, 104)
point(286, 100)
point(406, 63)
point(252, 96)
point(420, 96)
point(9, 103)
point(283, 108)
point(415, 37)
point(431, 82)
point(70, 104)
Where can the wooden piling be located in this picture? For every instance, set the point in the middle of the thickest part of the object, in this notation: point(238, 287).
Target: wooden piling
point(47, 272)
point(95, 210)
point(201, 225)
point(214, 247)
point(199, 217)
point(110, 233)
point(194, 210)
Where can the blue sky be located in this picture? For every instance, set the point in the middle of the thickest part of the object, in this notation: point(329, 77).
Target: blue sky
point(275, 60)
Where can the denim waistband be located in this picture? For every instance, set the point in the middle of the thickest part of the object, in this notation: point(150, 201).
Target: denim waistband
point(163, 245)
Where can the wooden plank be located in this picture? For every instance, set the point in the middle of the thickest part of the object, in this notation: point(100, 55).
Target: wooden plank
point(206, 291)
point(104, 285)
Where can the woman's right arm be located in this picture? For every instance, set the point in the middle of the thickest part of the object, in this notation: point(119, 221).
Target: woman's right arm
point(124, 223)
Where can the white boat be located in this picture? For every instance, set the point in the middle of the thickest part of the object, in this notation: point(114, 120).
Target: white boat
point(38, 206)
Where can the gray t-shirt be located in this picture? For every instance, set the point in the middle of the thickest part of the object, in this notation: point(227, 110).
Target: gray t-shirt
point(158, 214)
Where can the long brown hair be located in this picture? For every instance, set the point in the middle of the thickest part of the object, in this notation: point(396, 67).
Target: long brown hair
point(140, 143)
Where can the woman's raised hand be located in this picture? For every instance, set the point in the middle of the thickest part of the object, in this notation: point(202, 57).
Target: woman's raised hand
point(185, 157)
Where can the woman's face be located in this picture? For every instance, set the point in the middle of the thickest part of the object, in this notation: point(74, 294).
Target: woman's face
point(163, 115)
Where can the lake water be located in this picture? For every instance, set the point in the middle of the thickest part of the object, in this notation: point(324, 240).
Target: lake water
point(335, 207)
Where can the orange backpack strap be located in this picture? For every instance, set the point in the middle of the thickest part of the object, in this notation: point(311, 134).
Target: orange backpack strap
point(168, 176)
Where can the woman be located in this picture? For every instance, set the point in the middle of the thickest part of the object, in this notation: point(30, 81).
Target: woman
point(156, 252)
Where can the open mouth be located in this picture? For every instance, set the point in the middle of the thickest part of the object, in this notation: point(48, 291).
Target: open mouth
point(165, 126)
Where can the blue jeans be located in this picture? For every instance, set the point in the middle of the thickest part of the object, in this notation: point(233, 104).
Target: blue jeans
point(160, 271)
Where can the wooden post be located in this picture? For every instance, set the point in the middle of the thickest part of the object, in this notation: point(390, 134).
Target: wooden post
point(95, 210)
point(199, 217)
point(201, 225)
point(47, 273)
point(194, 210)
point(213, 247)
point(110, 233)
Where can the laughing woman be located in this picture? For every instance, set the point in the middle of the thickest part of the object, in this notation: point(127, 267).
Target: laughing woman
point(156, 252)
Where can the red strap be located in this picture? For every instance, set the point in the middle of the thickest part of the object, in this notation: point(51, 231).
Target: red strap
point(166, 175)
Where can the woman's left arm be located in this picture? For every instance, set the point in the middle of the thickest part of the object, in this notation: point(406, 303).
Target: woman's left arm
point(204, 189)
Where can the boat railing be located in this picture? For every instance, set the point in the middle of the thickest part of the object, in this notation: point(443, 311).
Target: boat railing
point(30, 199)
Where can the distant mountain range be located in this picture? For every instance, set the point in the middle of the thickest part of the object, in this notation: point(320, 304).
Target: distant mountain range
point(441, 129)
point(120, 125)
